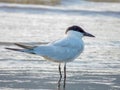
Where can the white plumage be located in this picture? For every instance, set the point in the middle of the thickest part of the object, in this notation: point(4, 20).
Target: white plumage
point(63, 50)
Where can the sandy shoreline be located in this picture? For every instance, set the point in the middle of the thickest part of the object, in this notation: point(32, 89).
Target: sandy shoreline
point(98, 68)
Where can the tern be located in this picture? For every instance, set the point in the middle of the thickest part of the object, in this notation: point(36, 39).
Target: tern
point(63, 50)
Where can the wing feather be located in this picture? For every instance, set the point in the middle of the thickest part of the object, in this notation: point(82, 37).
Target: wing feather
point(25, 46)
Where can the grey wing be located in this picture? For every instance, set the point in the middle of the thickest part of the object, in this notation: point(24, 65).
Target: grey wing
point(60, 50)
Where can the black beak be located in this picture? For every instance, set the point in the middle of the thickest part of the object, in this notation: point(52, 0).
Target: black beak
point(88, 34)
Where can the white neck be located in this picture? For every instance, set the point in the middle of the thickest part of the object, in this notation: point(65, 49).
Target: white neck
point(75, 34)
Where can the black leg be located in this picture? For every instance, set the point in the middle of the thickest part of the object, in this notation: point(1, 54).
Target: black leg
point(59, 81)
point(64, 77)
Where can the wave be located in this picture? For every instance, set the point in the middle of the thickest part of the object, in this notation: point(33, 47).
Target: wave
point(55, 10)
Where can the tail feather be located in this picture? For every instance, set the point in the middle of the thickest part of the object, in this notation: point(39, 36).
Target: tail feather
point(25, 46)
point(15, 49)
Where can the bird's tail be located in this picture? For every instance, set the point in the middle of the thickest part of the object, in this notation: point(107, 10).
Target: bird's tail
point(15, 49)
point(26, 48)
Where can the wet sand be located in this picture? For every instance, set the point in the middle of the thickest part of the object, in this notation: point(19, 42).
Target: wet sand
point(98, 68)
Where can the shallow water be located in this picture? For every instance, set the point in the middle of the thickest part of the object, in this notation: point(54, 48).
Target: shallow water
point(98, 68)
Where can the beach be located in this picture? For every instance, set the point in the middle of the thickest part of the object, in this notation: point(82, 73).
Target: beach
point(97, 68)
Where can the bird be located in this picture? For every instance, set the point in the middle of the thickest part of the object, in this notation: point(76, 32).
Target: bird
point(64, 50)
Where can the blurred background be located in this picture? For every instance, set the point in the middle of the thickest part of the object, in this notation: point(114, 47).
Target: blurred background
point(37, 21)
point(42, 2)
point(50, 2)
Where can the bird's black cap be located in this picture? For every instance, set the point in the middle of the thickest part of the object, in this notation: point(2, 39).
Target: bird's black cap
point(79, 29)
point(75, 28)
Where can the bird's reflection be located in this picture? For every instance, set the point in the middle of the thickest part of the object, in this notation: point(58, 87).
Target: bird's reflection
point(59, 84)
